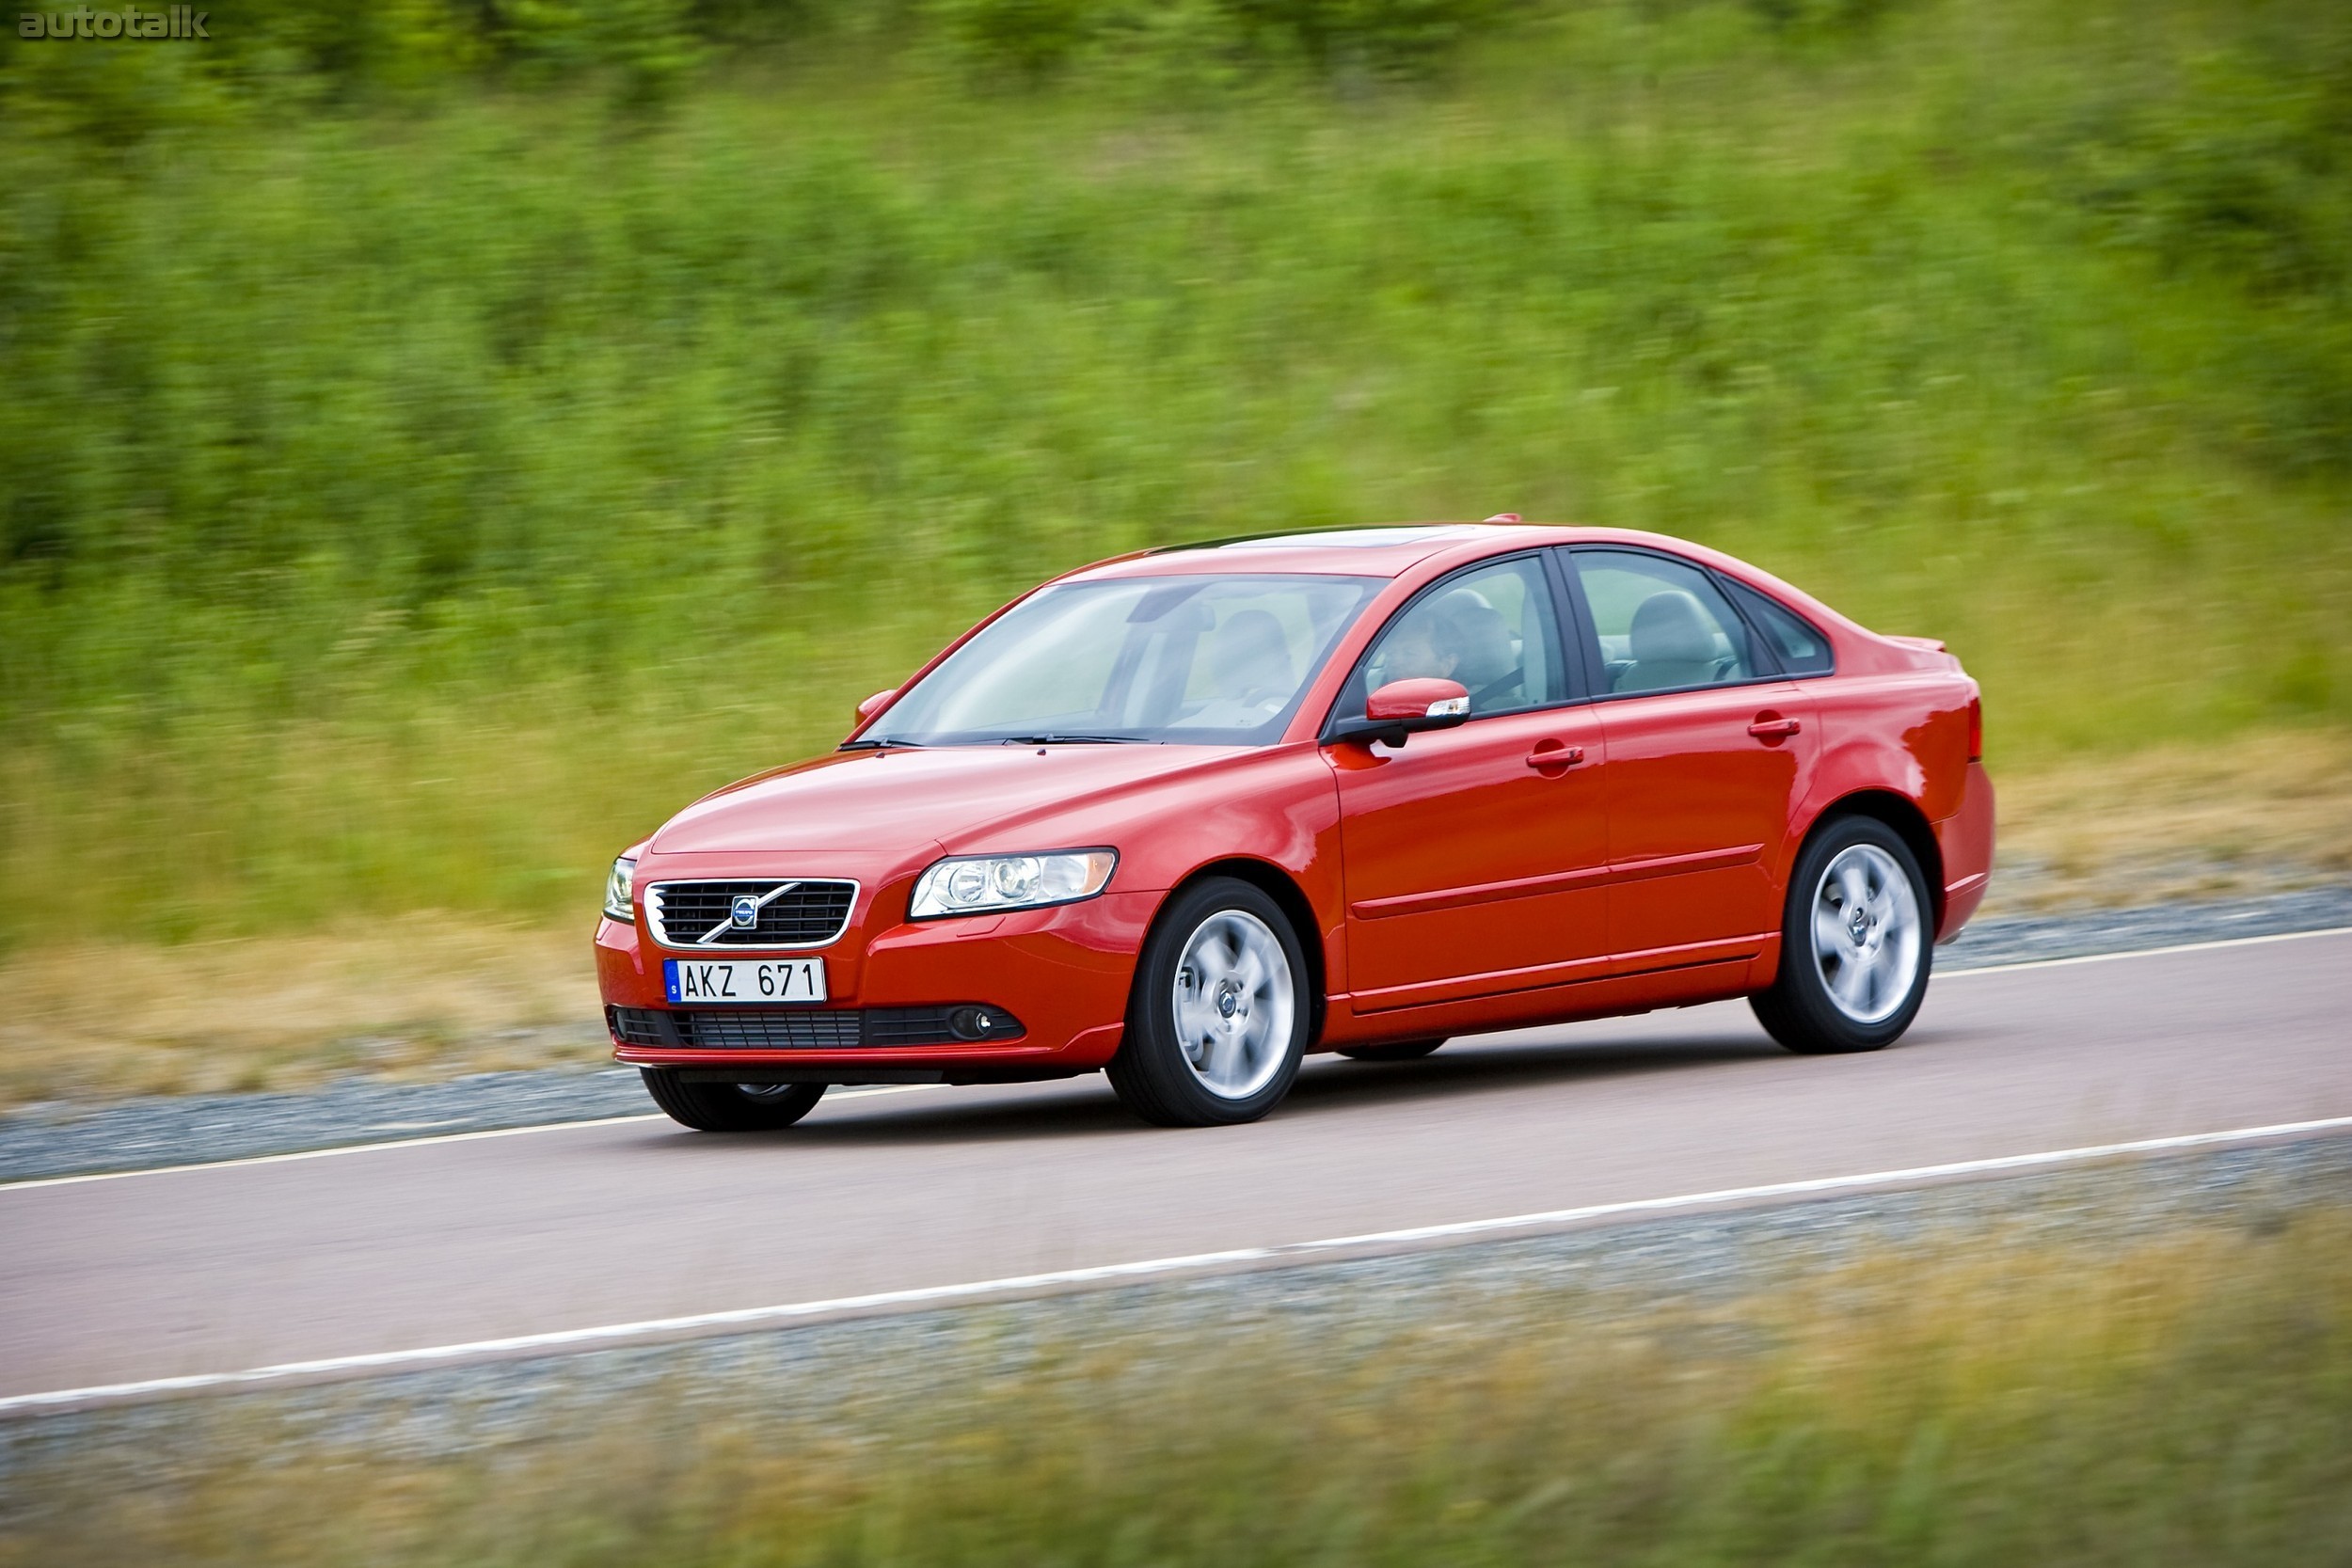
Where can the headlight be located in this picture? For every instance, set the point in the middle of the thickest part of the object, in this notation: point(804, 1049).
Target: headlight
point(977, 883)
point(618, 888)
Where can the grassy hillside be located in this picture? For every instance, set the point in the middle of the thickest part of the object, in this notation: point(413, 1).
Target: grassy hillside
point(411, 493)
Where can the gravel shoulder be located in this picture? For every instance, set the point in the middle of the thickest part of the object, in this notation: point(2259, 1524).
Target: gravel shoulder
point(59, 1139)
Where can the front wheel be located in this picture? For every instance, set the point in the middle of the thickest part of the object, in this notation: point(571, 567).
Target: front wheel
point(731, 1107)
point(1854, 943)
point(1217, 1022)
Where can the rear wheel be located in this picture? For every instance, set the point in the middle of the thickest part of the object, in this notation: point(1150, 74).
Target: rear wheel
point(1218, 1021)
point(1392, 1050)
point(731, 1107)
point(1854, 943)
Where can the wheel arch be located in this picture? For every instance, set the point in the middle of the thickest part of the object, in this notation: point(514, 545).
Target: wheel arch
point(1901, 813)
point(1278, 885)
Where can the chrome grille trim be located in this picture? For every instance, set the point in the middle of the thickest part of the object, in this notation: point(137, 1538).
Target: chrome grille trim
point(796, 913)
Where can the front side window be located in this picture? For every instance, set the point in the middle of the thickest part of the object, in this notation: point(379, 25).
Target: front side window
point(1492, 630)
point(1209, 660)
point(1662, 624)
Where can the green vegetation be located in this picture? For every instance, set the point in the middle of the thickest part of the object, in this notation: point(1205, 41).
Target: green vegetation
point(1979, 1397)
point(430, 453)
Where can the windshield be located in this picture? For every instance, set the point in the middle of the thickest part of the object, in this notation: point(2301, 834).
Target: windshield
point(1206, 661)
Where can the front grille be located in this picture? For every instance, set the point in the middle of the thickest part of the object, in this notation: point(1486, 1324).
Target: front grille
point(803, 912)
point(809, 1028)
point(769, 1030)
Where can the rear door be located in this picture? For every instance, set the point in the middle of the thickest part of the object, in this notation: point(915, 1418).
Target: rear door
point(1476, 857)
point(1710, 752)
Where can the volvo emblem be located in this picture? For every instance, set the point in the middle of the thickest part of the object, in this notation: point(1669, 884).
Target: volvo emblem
point(745, 912)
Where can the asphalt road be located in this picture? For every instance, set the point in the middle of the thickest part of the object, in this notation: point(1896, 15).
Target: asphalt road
point(185, 1272)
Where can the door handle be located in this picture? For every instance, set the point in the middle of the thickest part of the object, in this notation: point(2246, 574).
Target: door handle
point(1771, 726)
point(1549, 754)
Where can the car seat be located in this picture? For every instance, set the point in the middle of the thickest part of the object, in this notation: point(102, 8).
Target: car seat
point(1250, 658)
point(1488, 657)
point(1672, 643)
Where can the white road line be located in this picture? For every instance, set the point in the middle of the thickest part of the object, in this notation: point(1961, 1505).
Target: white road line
point(883, 1302)
point(903, 1088)
point(402, 1143)
point(2145, 952)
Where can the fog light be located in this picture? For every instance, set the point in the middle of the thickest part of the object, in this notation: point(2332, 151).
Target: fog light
point(981, 1023)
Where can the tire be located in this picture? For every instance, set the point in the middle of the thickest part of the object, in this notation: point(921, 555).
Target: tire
point(1223, 967)
point(1392, 1050)
point(731, 1107)
point(1856, 943)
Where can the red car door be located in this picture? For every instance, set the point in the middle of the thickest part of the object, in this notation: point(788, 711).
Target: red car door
point(1475, 858)
point(1708, 754)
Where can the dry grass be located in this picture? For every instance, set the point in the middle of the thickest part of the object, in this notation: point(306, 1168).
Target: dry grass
point(431, 995)
point(2247, 814)
point(1977, 1395)
point(420, 995)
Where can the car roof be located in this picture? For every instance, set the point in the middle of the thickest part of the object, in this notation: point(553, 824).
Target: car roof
point(1373, 552)
point(1386, 552)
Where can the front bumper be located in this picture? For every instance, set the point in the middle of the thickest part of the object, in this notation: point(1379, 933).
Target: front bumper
point(1064, 972)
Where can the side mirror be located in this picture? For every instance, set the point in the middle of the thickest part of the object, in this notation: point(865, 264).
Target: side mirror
point(875, 703)
point(1405, 708)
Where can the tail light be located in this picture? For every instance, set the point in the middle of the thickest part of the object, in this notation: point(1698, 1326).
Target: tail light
point(1975, 728)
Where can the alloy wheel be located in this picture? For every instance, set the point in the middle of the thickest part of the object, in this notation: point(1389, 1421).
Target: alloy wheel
point(1866, 933)
point(1233, 1004)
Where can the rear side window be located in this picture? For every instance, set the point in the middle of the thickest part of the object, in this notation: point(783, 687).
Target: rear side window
point(1803, 650)
point(1663, 625)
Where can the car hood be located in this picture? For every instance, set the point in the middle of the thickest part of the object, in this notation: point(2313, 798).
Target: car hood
point(892, 801)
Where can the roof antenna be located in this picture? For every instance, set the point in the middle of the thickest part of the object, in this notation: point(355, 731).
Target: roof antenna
point(1504, 518)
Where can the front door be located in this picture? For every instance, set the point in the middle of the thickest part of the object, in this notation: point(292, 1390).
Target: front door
point(1709, 754)
point(1476, 857)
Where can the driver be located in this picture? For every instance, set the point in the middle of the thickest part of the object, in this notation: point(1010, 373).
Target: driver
point(1416, 651)
point(1463, 638)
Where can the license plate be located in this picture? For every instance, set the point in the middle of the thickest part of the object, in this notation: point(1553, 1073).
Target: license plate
point(718, 982)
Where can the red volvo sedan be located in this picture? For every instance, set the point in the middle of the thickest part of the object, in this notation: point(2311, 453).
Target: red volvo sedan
point(1188, 814)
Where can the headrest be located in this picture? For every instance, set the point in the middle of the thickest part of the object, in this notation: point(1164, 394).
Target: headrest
point(1250, 644)
point(1670, 627)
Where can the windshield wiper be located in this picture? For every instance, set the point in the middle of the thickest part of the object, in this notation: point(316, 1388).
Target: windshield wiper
point(877, 745)
point(1065, 737)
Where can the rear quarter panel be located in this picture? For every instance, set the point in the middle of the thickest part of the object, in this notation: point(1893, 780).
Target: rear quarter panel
point(1901, 732)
